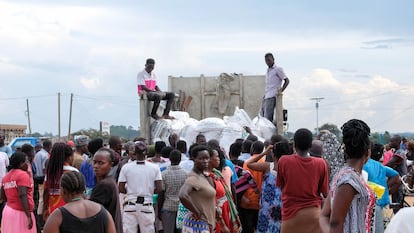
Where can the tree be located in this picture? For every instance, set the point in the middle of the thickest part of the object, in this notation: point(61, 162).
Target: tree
point(91, 133)
point(289, 135)
point(332, 128)
point(118, 130)
point(124, 132)
point(36, 134)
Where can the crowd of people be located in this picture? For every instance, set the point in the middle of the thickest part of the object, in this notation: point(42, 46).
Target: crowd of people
point(307, 184)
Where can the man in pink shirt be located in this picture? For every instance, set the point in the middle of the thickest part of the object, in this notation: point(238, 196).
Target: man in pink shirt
point(146, 80)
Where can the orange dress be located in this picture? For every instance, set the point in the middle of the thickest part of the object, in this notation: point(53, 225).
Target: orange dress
point(55, 199)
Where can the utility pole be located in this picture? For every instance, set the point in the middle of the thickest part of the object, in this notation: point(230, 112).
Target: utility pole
point(28, 117)
point(59, 116)
point(70, 114)
point(317, 100)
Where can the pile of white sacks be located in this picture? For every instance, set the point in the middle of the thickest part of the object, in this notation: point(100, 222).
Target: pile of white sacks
point(225, 130)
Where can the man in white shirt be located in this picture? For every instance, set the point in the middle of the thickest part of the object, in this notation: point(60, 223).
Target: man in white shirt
point(136, 180)
point(274, 78)
point(146, 81)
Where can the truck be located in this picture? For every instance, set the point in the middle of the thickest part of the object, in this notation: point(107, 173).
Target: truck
point(19, 142)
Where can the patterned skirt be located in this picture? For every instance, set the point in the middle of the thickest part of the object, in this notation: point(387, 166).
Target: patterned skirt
point(182, 211)
point(192, 225)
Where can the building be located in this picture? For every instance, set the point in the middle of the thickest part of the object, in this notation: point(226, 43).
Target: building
point(11, 132)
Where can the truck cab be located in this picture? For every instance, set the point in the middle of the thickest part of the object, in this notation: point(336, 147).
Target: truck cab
point(19, 142)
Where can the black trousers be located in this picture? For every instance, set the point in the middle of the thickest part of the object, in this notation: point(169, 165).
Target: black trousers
point(157, 96)
point(248, 219)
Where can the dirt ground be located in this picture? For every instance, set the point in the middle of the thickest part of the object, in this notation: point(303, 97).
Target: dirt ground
point(388, 214)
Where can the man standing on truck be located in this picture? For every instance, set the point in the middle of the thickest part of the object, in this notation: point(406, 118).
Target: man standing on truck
point(146, 80)
point(274, 78)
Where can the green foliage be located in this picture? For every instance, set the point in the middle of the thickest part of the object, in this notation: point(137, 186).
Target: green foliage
point(36, 134)
point(332, 128)
point(382, 138)
point(289, 135)
point(126, 133)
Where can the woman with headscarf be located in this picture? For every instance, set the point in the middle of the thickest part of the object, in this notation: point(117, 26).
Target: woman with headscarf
point(78, 215)
point(17, 191)
point(60, 162)
point(331, 152)
point(350, 204)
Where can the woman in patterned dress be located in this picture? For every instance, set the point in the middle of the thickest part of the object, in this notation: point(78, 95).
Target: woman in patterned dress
point(350, 204)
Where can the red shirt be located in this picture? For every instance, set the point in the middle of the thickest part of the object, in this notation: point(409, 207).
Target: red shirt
point(14, 179)
point(302, 180)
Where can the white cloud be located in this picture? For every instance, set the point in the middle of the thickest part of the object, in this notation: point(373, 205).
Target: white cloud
point(90, 83)
point(34, 25)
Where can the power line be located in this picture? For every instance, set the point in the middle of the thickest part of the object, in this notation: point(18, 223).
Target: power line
point(395, 115)
point(27, 97)
point(364, 98)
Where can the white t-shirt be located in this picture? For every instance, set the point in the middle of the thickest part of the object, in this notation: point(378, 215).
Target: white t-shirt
point(4, 162)
point(184, 157)
point(147, 79)
point(187, 165)
point(401, 222)
point(140, 179)
point(67, 168)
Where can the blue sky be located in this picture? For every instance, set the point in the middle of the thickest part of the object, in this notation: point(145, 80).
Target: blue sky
point(356, 54)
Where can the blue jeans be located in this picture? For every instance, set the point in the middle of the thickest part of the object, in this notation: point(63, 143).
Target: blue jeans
point(168, 220)
point(268, 108)
point(379, 221)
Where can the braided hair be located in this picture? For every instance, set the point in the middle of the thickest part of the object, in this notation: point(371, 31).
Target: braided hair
point(356, 138)
point(73, 182)
point(59, 154)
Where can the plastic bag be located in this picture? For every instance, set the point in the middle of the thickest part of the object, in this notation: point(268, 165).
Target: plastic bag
point(240, 117)
point(265, 127)
point(378, 189)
